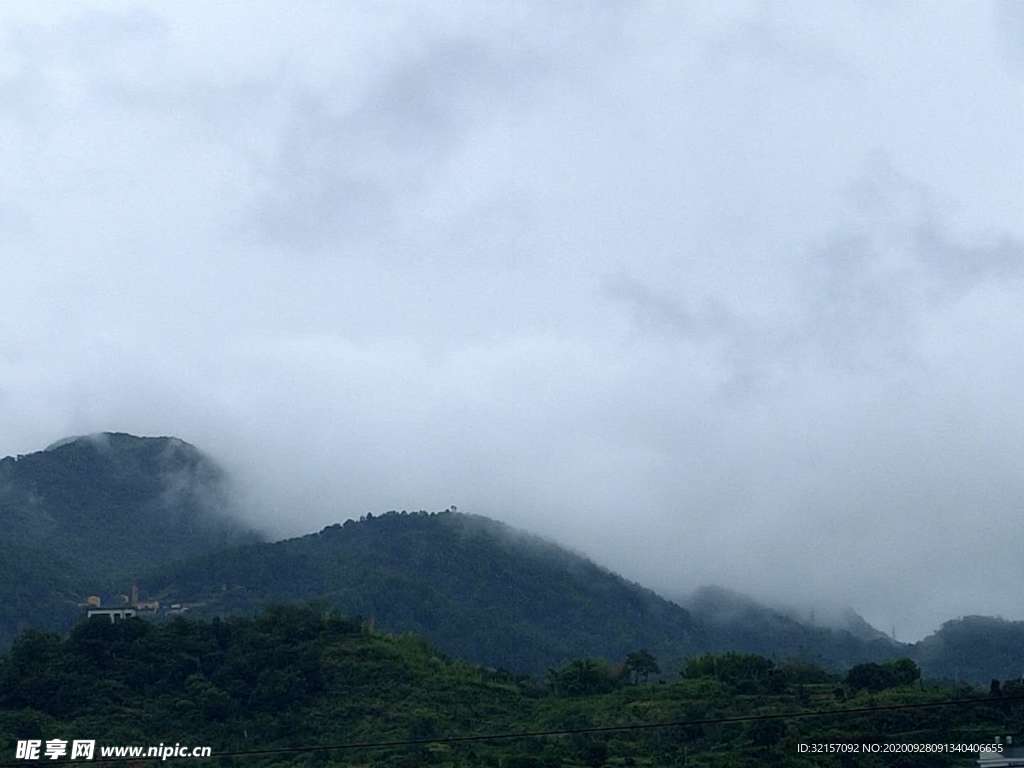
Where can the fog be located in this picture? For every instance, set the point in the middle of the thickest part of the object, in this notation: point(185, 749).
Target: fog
point(714, 293)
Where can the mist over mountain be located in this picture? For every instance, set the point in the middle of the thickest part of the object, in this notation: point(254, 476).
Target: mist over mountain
point(476, 588)
point(691, 330)
point(719, 605)
point(486, 592)
point(93, 514)
point(977, 648)
point(89, 514)
point(704, 290)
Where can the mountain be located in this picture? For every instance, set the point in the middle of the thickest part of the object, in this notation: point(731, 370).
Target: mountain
point(977, 648)
point(35, 591)
point(733, 621)
point(88, 514)
point(476, 588)
point(858, 626)
point(91, 514)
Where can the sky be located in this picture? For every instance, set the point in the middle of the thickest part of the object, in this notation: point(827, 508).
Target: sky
point(714, 293)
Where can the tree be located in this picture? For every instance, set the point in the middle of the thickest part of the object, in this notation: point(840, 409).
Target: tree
point(641, 664)
point(877, 677)
point(868, 677)
point(581, 677)
point(905, 671)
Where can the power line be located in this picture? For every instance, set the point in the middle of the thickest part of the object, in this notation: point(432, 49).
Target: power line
point(510, 736)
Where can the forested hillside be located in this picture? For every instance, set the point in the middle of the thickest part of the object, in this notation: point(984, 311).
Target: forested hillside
point(90, 514)
point(478, 589)
point(93, 514)
point(295, 677)
point(731, 621)
point(37, 590)
point(974, 648)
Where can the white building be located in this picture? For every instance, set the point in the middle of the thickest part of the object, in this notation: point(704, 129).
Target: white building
point(115, 614)
point(1011, 756)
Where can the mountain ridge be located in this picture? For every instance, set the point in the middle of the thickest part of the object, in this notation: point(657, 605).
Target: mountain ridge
point(477, 588)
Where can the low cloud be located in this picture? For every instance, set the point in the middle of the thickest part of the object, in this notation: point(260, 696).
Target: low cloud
point(723, 295)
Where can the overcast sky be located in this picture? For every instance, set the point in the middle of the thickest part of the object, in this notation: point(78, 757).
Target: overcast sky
point(715, 293)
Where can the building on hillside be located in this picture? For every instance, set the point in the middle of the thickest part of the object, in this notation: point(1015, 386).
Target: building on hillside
point(123, 607)
point(118, 607)
point(1012, 755)
point(114, 614)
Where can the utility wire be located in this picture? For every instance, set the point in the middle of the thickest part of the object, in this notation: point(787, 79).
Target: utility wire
point(469, 738)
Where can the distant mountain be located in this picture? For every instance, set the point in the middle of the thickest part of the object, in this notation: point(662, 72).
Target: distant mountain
point(858, 626)
point(90, 513)
point(975, 648)
point(476, 588)
point(733, 621)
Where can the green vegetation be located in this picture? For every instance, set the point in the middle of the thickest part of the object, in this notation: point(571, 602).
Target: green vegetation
point(475, 588)
point(974, 648)
point(295, 676)
point(878, 677)
point(735, 622)
point(90, 514)
point(485, 592)
point(35, 591)
point(113, 505)
point(641, 665)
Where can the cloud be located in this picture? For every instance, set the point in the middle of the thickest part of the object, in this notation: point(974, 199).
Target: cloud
point(1009, 20)
point(337, 174)
point(726, 294)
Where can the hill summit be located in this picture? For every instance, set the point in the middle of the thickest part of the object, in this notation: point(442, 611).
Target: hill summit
point(477, 588)
point(90, 513)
